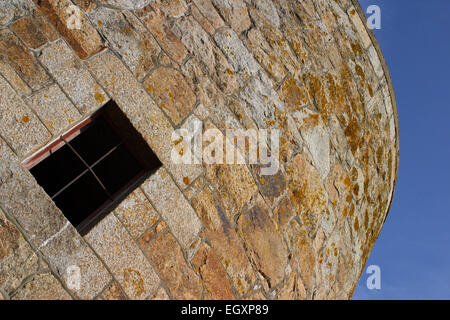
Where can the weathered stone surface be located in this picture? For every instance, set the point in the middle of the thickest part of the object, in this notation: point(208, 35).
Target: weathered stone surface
point(127, 4)
point(13, 9)
point(305, 256)
point(113, 292)
point(173, 207)
point(169, 89)
point(207, 10)
point(210, 56)
point(86, 5)
point(123, 257)
point(234, 183)
point(161, 294)
point(293, 289)
point(375, 60)
point(17, 259)
point(129, 38)
point(241, 60)
point(73, 77)
point(67, 249)
point(271, 187)
point(166, 255)
point(53, 109)
point(264, 243)
point(172, 8)
point(262, 51)
point(21, 196)
point(29, 33)
point(73, 24)
point(42, 287)
point(212, 273)
point(155, 21)
point(136, 213)
point(268, 9)
point(235, 12)
point(284, 212)
point(22, 128)
point(22, 60)
point(308, 195)
point(13, 78)
point(45, 26)
point(340, 189)
point(359, 25)
point(294, 95)
point(315, 135)
point(224, 240)
point(210, 95)
point(265, 108)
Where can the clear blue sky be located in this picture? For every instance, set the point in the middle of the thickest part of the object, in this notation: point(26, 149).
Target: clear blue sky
point(413, 248)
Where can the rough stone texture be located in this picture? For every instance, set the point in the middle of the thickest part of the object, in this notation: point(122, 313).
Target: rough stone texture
point(42, 287)
point(22, 60)
point(212, 273)
point(127, 4)
point(66, 249)
point(129, 38)
point(166, 255)
point(13, 9)
point(17, 259)
point(86, 5)
point(136, 213)
point(261, 240)
point(113, 292)
point(155, 21)
point(13, 78)
point(210, 56)
point(207, 11)
point(308, 68)
point(123, 257)
point(25, 201)
point(171, 92)
point(224, 240)
point(29, 33)
point(235, 12)
point(81, 36)
point(73, 77)
point(173, 207)
point(53, 108)
point(19, 124)
point(161, 294)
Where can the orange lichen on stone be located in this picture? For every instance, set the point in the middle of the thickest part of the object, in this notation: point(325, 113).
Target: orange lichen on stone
point(100, 98)
point(294, 96)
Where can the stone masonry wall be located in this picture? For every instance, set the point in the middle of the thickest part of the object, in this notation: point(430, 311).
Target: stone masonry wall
point(309, 68)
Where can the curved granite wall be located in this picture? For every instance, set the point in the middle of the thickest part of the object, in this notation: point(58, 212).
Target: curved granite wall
point(307, 68)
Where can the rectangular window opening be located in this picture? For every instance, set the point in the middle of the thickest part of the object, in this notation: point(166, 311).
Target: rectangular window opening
point(89, 170)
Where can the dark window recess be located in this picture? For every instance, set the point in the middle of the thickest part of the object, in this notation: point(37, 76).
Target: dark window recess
point(88, 171)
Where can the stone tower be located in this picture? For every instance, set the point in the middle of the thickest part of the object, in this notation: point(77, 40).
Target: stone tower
point(309, 69)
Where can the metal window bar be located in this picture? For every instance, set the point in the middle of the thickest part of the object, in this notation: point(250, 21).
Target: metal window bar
point(89, 168)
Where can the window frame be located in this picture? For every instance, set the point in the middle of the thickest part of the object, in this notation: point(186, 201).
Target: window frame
point(90, 220)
